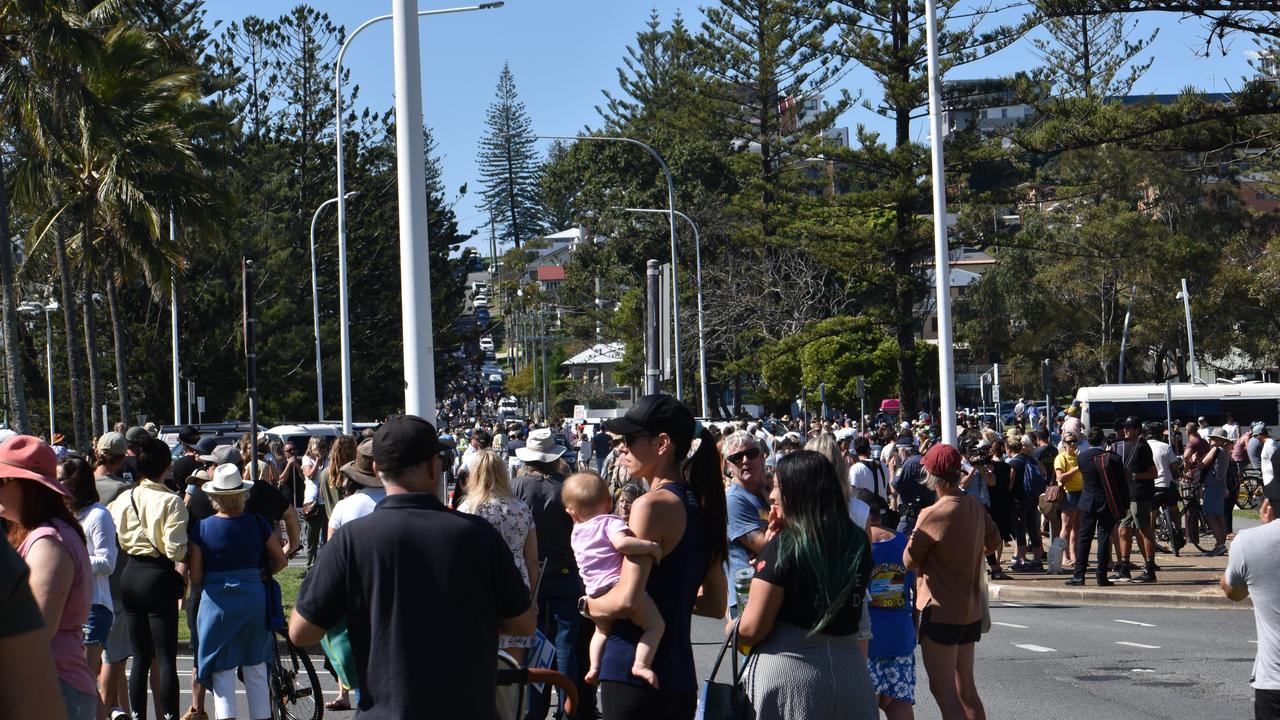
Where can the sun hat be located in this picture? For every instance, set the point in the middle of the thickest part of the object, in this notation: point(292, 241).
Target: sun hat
point(112, 444)
point(943, 461)
point(224, 455)
point(404, 441)
point(30, 458)
point(1220, 434)
point(541, 446)
point(226, 481)
point(360, 470)
point(202, 475)
point(59, 439)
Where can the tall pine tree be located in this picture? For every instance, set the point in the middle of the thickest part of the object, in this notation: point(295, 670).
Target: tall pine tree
point(510, 167)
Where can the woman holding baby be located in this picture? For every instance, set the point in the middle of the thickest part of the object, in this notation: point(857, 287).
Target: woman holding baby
point(684, 514)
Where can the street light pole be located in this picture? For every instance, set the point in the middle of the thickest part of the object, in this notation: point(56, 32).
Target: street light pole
point(671, 215)
point(398, 8)
point(941, 264)
point(173, 323)
point(315, 307)
point(702, 335)
point(1185, 295)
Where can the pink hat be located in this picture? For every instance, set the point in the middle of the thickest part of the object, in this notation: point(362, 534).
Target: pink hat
point(30, 458)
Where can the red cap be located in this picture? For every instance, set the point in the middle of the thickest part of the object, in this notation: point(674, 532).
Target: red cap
point(943, 461)
point(29, 458)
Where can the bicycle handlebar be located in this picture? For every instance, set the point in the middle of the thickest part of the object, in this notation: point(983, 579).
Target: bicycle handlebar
point(526, 676)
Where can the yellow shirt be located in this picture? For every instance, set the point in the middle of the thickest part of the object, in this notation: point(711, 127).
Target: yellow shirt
point(158, 527)
point(1064, 463)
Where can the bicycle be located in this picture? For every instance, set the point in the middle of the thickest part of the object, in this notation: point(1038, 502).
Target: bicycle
point(295, 687)
point(1168, 531)
point(1249, 495)
point(1194, 521)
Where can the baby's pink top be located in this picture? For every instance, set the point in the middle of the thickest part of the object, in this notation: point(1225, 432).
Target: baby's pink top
point(68, 639)
point(599, 562)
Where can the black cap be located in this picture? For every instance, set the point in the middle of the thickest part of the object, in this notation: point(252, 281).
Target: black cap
point(1131, 422)
point(205, 446)
point(656, 414)
point(188, 435)
point(136, 434)
point(404, 441)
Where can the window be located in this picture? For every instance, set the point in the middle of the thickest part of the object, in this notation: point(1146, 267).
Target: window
point(1004, 113)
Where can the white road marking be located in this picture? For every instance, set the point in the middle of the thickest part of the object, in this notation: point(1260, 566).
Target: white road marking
point(1143, 670)
point(1137, 645)
point(1254, 642)
point(1008, 604)
point(1036, 648)
point(1004, 624)
point(1134, 622)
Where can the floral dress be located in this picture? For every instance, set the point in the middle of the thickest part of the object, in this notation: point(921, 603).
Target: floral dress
point(514, 521)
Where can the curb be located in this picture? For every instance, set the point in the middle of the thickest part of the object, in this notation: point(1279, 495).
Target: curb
point(1098, 596)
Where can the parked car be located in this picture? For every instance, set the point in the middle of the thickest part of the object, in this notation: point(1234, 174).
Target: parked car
point(486, 343)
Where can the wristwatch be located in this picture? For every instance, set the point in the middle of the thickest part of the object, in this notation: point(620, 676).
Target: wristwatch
point(582, 607)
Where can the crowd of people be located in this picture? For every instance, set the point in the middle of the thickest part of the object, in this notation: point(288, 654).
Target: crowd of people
point(831, 551)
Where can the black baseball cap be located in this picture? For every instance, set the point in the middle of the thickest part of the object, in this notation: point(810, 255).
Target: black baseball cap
point(656, 414)
point(136, 434)
point(404, 441)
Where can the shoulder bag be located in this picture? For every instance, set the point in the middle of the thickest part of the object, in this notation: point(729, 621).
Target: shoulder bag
point(725, 701)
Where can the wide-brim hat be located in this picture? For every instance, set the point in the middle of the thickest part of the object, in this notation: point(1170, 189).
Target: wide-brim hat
point(1220, 434)
point(29, 458)
point(226, 481)
point(360, 470)
point(540, 446)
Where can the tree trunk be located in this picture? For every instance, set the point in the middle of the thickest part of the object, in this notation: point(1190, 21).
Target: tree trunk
point(91, 353)
point(75, 363)
point(16, 396)
point(117, 333)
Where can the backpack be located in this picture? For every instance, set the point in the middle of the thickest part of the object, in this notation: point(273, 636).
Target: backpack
point(1033, 478)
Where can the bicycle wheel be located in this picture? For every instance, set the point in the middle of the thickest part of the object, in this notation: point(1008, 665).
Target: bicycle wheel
point(1247, 495)
point(294, 683)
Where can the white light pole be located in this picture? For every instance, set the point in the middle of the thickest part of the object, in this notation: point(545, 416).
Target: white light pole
point(671, 215)
point(32, 309)
point(344, 324)
point(702, 336)
point(315, 307)
point(941, 264)
point(1185, 297)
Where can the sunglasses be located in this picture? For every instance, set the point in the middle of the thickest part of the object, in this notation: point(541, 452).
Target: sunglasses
point(749, 454)
point(1071, 442)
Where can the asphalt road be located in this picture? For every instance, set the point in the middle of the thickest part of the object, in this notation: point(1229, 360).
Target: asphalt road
point(1052, 662)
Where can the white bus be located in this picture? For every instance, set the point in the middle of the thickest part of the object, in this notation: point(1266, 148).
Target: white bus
point(1247, 402)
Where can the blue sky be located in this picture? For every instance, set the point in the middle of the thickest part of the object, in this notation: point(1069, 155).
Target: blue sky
point(564, 52)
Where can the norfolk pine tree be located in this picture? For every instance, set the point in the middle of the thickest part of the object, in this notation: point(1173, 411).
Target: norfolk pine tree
point(510, 167)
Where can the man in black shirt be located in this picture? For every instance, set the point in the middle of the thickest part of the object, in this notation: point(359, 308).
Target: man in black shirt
point(1140, 472)
point(425, 591)
point(1103, 501)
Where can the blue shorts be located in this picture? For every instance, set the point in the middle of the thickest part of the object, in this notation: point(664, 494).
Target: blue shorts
point(1072, 502)
point(894, 677)
point(1214, 501)
point(98, 625)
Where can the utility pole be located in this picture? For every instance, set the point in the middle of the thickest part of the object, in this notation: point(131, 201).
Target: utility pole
point(653, 354)
point(542, 324)
point(251, 364)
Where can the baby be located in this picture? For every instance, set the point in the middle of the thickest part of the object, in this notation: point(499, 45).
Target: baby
point(599, 541)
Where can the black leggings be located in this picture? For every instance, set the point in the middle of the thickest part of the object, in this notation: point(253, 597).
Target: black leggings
point(620, 701)
point(150, 588)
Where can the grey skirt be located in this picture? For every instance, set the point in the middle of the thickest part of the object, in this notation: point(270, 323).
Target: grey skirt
point(792, 675)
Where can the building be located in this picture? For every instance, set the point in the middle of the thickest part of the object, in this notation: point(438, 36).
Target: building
point(595, 367)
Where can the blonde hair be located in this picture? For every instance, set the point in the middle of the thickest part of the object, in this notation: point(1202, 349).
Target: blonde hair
point(230, 504)
point(584, 491)
point(933, 481)
point(488, 478)
point(826, 446)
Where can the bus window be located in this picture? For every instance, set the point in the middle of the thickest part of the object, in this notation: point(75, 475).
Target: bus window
point(1247, 412)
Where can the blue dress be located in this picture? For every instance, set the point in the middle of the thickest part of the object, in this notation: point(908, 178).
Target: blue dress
point(232, 624)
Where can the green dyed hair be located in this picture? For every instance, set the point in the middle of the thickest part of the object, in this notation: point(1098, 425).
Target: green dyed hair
point(820, 537)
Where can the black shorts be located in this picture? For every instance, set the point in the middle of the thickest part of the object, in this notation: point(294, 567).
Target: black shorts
point(1266, 704)
point(947, 633)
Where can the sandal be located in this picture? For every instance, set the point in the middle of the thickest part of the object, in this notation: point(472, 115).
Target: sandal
point(337, 705)
point(999, 575)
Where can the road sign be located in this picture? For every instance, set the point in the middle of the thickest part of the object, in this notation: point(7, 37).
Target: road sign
point(862, 388)
point(200, 404)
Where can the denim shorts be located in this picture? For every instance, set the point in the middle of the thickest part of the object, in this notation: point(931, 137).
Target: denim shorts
point(1072, 502)
point(79, 705)
point(98, 626)
point(1214, 501)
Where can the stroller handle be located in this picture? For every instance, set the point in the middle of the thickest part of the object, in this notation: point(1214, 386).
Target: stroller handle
point(526, 676)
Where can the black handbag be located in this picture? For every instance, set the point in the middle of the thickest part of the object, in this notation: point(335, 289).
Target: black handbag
point(725, 701)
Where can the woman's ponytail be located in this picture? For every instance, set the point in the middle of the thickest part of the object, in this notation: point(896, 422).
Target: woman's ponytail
point(702, 472)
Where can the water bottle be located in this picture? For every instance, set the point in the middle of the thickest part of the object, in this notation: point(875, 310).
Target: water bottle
point(742, 585)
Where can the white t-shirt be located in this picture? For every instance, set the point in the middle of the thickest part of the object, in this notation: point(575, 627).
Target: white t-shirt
point(1268, 461)
point(1232, 430)
point(355, 507)
point(861, 476)
point(1254, 563)
point(1163, 455)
